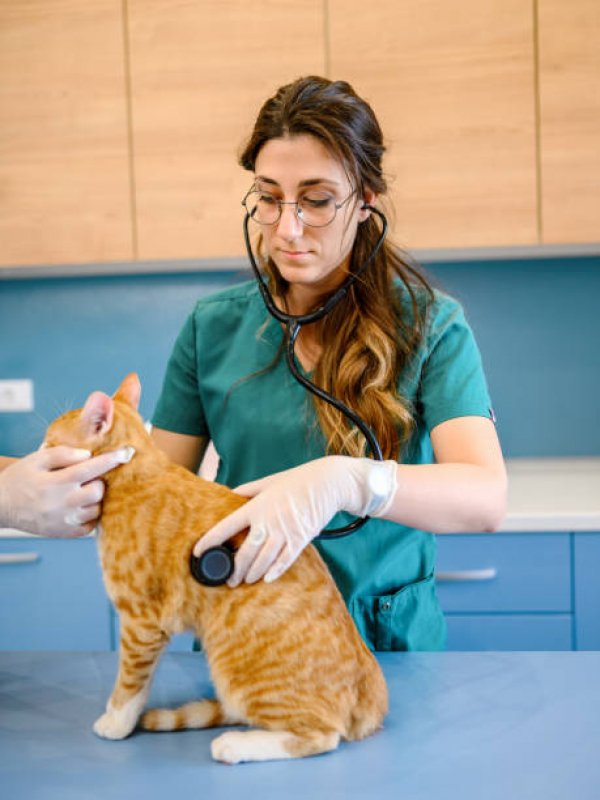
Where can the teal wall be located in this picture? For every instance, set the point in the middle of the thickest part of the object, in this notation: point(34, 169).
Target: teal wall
point(536, 322)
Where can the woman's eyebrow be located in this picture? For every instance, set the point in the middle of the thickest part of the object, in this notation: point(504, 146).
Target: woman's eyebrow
point(302, 184)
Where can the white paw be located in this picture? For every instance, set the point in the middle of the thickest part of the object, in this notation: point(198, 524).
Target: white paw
point(235, 746)
point(228, 748)
point(113, 725)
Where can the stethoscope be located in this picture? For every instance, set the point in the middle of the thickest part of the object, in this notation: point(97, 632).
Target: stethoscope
point(215, 566)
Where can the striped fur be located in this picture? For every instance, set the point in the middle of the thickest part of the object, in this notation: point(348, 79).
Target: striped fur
point(284, 657)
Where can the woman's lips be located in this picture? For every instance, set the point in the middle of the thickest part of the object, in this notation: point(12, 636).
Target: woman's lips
point(294, 254)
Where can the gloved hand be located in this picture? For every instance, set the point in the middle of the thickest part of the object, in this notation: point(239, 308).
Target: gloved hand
point(290, 508)
point(52, 492)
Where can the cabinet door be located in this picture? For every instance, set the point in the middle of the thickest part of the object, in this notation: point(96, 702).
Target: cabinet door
point(506, 591)
point(453, 87)
point(569, 78)
point(64, 161)
point(51, 596)
point(497, 572)
point(199, 75)
point(587, 591)
point(509, 632)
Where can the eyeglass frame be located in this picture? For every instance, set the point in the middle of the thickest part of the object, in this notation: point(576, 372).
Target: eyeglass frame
point(281, 203)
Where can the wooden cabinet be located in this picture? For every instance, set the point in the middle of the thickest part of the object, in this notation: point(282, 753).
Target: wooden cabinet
point(569, 92)
point(453, 87)
point(64, 161)
point(120, 123)
point(199, 74)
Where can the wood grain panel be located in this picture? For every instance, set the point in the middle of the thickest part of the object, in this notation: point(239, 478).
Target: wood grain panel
point(569, 57)
point(200, 72)
point(453, 87)
point(64, 183)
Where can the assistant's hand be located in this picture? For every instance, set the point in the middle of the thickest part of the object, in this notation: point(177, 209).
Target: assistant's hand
point(288, 509)
point(53, 492)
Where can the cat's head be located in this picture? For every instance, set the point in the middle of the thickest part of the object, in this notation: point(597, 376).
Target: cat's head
point(104, 423)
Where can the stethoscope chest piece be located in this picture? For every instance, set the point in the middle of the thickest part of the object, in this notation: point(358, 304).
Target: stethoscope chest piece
point(214, 567)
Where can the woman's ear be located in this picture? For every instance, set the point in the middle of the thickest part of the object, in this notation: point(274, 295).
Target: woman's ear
point(97, 414)
point(369, 199)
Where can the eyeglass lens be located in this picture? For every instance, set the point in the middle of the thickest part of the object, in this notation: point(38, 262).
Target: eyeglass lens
point(316, 208)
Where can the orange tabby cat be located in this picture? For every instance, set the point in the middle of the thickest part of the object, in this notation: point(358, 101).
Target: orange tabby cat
point(284, 657)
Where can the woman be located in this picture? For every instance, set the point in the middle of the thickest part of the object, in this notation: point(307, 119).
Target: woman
point(398, 353)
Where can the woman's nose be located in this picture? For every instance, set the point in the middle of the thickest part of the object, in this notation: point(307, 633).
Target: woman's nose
point(290, 226)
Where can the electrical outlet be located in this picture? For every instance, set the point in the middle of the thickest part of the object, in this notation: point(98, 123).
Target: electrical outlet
point(16, 395)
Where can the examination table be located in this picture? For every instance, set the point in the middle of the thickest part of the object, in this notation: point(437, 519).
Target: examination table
point(460, 725)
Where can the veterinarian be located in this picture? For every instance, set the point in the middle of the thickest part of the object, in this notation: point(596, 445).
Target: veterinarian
point(398, 352)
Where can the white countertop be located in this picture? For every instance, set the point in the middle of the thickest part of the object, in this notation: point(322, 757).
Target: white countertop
point(553, 494)
point(544, 494)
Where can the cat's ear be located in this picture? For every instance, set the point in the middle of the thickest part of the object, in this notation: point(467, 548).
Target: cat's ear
point(129, 391)
point(97, 414)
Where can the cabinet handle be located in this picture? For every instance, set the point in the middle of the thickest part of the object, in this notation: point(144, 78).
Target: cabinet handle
point(18, 558)
point(456, 576)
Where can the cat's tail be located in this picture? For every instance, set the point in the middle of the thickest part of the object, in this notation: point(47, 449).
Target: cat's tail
point(198, 714)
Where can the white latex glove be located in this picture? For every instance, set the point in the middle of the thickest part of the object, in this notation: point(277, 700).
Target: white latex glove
point(53, 492)
point(290, 508)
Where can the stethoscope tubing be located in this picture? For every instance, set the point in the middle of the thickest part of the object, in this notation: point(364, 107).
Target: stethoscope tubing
point(293, 324)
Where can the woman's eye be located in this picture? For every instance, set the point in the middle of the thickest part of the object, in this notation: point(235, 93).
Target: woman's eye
point(267, 199)
point(316, 200)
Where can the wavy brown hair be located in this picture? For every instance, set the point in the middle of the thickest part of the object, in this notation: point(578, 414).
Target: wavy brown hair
point(368, 337)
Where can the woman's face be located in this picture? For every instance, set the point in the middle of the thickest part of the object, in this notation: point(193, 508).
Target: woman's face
point(313, 258)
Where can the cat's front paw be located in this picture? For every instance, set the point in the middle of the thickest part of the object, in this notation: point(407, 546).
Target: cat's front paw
point(113, 725)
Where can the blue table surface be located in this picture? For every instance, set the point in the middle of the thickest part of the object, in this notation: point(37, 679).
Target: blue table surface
point(461, 725)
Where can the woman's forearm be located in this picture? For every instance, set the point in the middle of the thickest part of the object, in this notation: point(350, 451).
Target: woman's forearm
point(449, 498)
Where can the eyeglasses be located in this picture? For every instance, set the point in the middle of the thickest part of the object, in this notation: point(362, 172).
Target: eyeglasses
point(315, 209)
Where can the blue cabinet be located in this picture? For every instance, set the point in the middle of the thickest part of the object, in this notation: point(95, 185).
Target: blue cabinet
point(52, 596)
point(506, 591)
point(587, 590)
point(499, 592)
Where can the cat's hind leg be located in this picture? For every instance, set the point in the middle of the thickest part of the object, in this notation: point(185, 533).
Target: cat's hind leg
point(198, 714)
point(236, 746)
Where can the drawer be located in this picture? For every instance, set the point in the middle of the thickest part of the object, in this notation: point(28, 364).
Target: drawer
point(504, 572)
point(509, 631)
point(52, 596)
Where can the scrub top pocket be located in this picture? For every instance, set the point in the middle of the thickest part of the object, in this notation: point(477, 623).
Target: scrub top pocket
point(409, 619)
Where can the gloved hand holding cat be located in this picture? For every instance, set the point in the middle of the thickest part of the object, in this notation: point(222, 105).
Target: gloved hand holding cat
point(290, 508)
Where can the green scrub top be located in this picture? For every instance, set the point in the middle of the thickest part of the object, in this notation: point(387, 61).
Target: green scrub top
point(221, 383)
